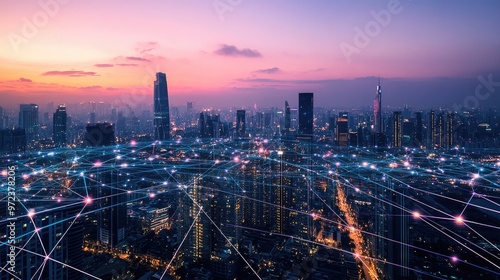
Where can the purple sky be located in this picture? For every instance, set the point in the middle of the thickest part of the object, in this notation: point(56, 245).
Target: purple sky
point(222, 53)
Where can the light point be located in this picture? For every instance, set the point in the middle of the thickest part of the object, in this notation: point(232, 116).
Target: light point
point(88, 200)
point(454, 259)
point(459, 220)
point(416, 215)
point(31, 213)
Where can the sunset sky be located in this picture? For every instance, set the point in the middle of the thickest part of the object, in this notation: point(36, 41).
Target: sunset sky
point(240, 52)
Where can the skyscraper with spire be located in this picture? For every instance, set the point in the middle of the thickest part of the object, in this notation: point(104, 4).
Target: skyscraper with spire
point(161, 109)
point(377, 110)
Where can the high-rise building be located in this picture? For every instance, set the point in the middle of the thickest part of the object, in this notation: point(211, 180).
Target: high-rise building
point(306, 118)
point(28, 120)
point(161, 108)
point(418, 129)
point(431, 131)
point(343, 129)
point(12, 141)
point(440, 130)
point(288, 118)
point(60, 126)
point(377, 110)
point(240, 123)
point(1, 118)
point(99, 134)
point(449, 130)
point(397, 134)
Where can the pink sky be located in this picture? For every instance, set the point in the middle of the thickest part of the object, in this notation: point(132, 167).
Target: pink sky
point(95, 49)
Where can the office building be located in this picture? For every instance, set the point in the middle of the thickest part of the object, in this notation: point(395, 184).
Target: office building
point(28, 120)
point(60, 128)
point(306, 117)
point(397, 132)
point(161, 108)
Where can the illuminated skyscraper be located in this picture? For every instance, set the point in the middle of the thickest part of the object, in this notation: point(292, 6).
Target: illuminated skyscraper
point(397, 134)
point(28, 120)
point(240, 123)
point(161, 109)
point(306, 118)
point(343, 129)
point(60, 126)
point(449, 130)
point(431, 131)
point(377, 110)
point(288, 118)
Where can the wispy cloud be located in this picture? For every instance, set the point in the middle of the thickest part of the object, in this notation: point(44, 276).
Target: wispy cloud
point(24, 80)
point(69, 73)
point(91, 87)
point(147, 47)
point(126, 64)
point(272, 70)
point(228, 50)
point(136, 58)
point(103, 65)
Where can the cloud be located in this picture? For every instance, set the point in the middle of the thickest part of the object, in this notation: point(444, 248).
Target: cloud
point(103, 65)
point(126, 64)
point(70, 73)
point(136, 58)
point(272, 70)
point(228, 50)
point(147, 47)
point(24, 80)
point(91, 87)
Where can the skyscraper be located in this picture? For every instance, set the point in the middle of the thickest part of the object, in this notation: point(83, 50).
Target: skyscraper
point(418, 129)
point(161, 109)
point(28, 120)
point(1, 118)
point(288, 117)
point(377, 110)
point(60, 126)
point(343, 129)
point(240, 123)
point(100, 134)
point(431, 132)
point(306, 118)
point(449, 130)
point(397, 134)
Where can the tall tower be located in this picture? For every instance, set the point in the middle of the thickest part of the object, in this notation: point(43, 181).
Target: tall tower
point(377, 109)
point(343, 129)
point(60, 127)
point(306, 103)
point(288, 117)
point(28, 120)
point(449, 130)
point(161, 109)
point(240, 123)
point(431, 132)
point(397, 134)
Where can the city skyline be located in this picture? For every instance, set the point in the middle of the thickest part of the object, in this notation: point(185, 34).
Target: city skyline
point(417, 59)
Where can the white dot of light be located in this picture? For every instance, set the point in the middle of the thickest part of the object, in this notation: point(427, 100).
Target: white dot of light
point(416, 215)
point(31, 213)
point(459, 220)
point(88, 200)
